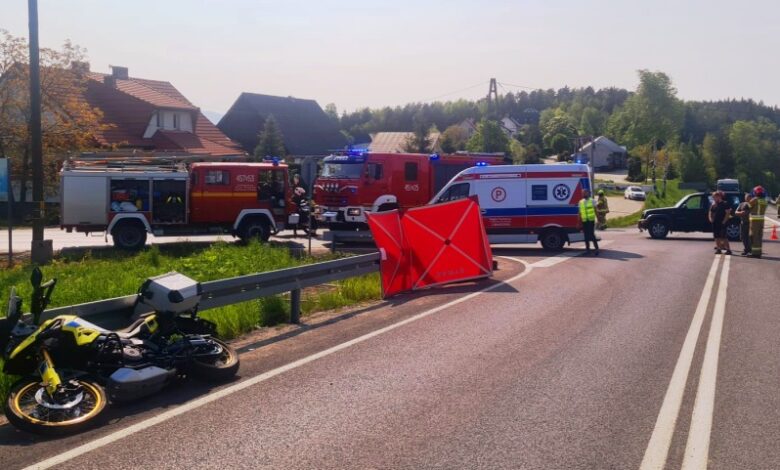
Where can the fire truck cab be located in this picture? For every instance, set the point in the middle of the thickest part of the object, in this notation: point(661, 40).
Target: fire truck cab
point(128, 201)
point(358, 182)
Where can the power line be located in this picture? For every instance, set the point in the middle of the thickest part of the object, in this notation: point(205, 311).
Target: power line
point(520, 86)
point(480, 84)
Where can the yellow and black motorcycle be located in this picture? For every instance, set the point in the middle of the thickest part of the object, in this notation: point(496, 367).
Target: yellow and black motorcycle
point(71, 369)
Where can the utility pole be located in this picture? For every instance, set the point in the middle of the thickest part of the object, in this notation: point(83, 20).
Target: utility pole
point(492, 98)
point(41, 249)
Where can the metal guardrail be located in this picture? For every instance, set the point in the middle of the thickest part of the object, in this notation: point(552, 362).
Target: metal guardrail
point(243, 288)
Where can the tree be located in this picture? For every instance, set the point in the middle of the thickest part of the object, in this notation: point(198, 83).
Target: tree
point(592, 122)
point(754, 145)
point(556, 123)
point(332, 112)
point(692, 166)
point(560, 144)
point(522, 154)
point(489, 138)
point(453, 139)
point(635, 173)
point(271, 140)
point(652, 113)
point(69, 124)
point(418, 142)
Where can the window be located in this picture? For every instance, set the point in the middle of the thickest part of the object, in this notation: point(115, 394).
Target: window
point(455, 192)
point(410, 171)
point(217, 177)
point(175, 120)
point(375, 171)
point(694, 203)
point(159, 119)
point(539, 192)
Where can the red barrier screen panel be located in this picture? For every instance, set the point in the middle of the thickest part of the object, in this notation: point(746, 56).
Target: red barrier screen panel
point(389, 238)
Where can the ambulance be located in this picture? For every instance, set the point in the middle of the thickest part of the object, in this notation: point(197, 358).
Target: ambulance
point(525, 203)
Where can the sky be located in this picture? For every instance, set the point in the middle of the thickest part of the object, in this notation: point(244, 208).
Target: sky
point(385, 53)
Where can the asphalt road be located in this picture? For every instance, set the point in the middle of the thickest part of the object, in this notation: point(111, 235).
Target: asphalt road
point(657, 354)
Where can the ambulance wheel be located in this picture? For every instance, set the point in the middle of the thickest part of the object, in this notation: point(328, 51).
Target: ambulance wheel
point(255, 228)
point(553, 240)
point(130, 236)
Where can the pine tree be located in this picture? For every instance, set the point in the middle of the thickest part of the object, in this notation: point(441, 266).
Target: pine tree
point(270, 140)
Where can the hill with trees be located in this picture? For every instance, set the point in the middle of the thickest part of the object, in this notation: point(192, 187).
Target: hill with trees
point(699, 141)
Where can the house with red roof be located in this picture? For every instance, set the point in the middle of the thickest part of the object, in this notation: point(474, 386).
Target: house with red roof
point(152, 116)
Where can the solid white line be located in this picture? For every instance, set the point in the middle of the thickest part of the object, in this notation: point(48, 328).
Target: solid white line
point(698, 446)
point(658, 447)
point(199, 402)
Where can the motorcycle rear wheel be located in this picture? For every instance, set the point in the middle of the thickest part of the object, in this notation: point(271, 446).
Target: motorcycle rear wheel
point(220, 369)
point(29, 407)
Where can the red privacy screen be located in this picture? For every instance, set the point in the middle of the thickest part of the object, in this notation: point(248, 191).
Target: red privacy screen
point(431, 245)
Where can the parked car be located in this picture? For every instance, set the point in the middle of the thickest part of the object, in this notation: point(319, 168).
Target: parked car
point(690, 214)
point(635, 193)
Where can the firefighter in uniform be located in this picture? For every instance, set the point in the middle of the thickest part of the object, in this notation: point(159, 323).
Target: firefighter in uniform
point(588, 218)
point(602, 209)
point(757, 211)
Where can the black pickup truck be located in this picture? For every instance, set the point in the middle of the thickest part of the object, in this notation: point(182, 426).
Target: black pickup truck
point(690, 214)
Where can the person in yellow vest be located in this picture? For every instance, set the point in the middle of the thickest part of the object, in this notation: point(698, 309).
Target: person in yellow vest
point(588, 218)
point(602, 209)
point(757, 211)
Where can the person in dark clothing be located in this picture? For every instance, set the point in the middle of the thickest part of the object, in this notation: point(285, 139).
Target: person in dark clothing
point(719, 214)
point(743, 212)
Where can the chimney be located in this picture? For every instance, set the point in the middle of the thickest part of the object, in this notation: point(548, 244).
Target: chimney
point(109, 80)
point(79, 67)
point(119, 73)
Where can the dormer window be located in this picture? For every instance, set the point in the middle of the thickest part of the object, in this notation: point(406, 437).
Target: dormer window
point(176, 121)
point(160, 123)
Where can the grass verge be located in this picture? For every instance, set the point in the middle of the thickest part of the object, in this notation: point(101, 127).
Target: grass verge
point(93, 275)
point(654, 200)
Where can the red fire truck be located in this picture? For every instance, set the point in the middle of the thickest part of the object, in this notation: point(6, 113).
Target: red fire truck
point(358, 182)
point(129, 200)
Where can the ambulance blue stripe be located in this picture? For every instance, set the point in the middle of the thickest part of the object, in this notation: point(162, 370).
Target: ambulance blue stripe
point(531, 211)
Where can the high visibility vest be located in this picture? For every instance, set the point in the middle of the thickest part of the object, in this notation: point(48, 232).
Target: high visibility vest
point(587, 210)
point(757, 209)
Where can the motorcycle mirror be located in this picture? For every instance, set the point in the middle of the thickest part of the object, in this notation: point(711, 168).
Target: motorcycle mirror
point(36, 277)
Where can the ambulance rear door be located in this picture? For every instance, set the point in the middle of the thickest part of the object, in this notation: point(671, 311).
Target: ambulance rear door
point(549, 201)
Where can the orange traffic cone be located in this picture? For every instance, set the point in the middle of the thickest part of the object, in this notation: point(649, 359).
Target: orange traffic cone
point(774, 233)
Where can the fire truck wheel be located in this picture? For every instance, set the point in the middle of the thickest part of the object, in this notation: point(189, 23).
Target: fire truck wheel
point(255, 228)
point(129, 236)
point(552, 240)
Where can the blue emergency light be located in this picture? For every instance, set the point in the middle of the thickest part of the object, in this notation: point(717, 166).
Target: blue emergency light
point(482, 163)
point(274, 160)
point(433, 157)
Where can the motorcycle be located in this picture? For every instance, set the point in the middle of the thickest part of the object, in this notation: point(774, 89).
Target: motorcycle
point(72, 369)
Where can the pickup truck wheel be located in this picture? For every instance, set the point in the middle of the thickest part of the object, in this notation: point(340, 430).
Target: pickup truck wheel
point(130, 236)
point(255, 228)
point(732, 230)
point(553, 240)
point(658, 229)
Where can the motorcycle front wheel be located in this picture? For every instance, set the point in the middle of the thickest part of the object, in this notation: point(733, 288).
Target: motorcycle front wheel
point(218, 364)
point(30, 408)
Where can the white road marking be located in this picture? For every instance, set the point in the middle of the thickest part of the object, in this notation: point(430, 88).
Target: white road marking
point(698, 446)
point(658, 448)
point(219, 394)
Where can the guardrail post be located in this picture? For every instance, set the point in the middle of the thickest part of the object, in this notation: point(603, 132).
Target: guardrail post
point(295, 306)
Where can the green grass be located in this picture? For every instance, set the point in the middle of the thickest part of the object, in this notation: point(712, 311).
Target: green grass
point(654, 200)
point(95, 275)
